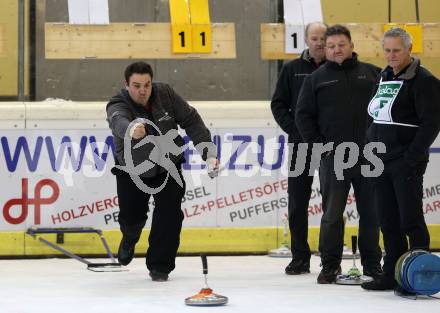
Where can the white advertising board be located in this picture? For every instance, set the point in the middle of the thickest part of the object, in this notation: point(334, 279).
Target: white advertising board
point(62, 178)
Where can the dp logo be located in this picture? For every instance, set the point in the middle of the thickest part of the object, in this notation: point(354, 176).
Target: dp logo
point(25, 201)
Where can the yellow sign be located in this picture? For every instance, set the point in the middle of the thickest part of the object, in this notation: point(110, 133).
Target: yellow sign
point(190, 26)
point(416, 32)
point(181, 38)
point(179, 12)
point(180, 26)
point(202, 38)
point(201, 26)
point(199, 10)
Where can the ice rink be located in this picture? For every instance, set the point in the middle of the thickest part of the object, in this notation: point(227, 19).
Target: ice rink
point(252, 284)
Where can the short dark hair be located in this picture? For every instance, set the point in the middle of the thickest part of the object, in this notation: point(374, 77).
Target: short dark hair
point(338, 29)
point(138, 68)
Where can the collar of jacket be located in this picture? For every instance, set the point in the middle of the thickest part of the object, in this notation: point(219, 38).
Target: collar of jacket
point(305, 55)
point(346, 64)
point(410, 72)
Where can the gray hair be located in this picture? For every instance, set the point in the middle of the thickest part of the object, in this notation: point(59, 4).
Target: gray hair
point(401, 33)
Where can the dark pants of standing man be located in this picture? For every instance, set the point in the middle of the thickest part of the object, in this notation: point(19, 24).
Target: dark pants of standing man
point(334, 200)
point(167, 220)
point(299, 190)
point(399, 194)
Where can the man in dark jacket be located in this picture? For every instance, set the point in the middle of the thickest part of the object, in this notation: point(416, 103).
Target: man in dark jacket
point(406, 118)
point(331, 110)
point(143, 118)
point(283, 108)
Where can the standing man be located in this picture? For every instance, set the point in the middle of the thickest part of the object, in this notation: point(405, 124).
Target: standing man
point(283, 108)
point(406, 118)
point(331, 109)
point(143, 118)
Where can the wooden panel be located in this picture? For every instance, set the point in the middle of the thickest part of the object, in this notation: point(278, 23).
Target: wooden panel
point(403, 11)
point(429, 11)
point(431, 32)
point(129, 41)
point(432, 64)
point(3, 42)
point(8, 48)
point(359, 11)
point(431, 44)
point(366, 38)
point(376, 11)
point(272, 42)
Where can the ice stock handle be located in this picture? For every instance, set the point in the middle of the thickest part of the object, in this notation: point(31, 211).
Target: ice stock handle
point(204, 264)
point(354, 244)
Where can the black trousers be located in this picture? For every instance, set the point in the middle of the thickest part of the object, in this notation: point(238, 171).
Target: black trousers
point(334, 200)
point(167, 220)
point(399, 199)
point(299, 190)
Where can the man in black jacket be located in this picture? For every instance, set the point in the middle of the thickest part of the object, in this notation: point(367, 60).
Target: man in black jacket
point(331, 110)
point(143, 118)
point(406, 118)
point(283, 108)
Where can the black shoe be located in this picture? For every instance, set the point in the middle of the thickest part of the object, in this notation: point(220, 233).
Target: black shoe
point(158, 276)
point(298, 266)
point(373, 271)
point(328, 274)
point(380, 283)
point(126, 251)
point(130, 236)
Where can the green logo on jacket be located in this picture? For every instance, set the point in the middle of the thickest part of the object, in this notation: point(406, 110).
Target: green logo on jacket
point(388, 90)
